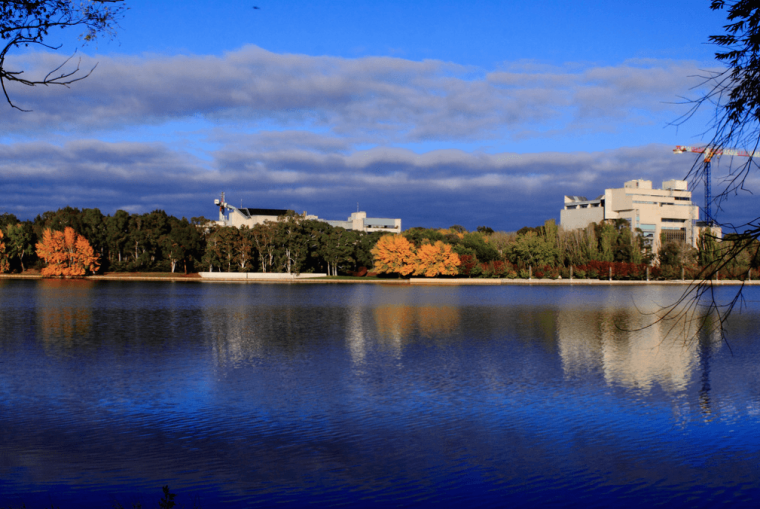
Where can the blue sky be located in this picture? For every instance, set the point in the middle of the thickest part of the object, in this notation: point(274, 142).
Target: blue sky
point(441, 113)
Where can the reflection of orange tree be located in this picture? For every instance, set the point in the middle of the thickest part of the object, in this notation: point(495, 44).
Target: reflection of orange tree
point(67, 253)
point(394, 322)
point(437, 320)
point(398, 322)
point(395, 254)
point(64, 310)
point(67, 323)
point(3, 256)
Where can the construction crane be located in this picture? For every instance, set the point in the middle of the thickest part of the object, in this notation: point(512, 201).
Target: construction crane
point(707, 155)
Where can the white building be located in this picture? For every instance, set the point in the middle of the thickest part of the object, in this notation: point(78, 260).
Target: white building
point(654, 211)
point(359, 221)
point(229, 215)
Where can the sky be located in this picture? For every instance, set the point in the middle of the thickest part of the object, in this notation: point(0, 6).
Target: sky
point(440, 113)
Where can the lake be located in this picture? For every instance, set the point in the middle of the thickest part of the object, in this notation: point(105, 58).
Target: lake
point(372, 396)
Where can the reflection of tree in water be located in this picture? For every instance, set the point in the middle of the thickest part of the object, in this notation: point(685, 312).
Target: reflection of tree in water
point(64, 310)
point(398, 323)
point(437, 321)
point(238, 333)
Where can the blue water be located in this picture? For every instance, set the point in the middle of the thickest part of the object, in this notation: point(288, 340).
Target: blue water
point(372, 396)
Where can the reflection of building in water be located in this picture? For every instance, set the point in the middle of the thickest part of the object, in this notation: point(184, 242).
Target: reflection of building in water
point(64, 310)
point(662, 354)
point(355, 334)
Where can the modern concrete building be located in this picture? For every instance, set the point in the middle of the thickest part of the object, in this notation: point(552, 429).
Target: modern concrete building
point(654, 211)
point(360, 222)
point(229, 215)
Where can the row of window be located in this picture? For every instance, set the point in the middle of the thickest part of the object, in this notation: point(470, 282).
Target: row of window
point(662, 204)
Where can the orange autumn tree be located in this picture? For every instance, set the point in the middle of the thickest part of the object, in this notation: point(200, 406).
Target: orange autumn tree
point(67, 253)
point(436, 259)
point(393, 254)
point(3, 255)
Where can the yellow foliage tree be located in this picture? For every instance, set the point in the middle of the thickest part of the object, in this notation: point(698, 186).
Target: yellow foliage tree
point(393, 254)
point(436, 259)
point(67, 253)
point(3, 256)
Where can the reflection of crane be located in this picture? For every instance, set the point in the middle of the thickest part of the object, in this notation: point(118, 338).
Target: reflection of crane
point(708, 154)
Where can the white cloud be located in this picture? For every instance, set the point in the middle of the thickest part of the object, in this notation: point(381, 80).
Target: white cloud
point(388, 100)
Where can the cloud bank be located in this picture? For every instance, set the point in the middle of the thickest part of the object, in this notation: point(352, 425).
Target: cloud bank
point(438, 188)
point(379, 98)
point(323, 133)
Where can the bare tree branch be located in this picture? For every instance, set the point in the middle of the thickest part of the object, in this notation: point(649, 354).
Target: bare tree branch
point(28, 22)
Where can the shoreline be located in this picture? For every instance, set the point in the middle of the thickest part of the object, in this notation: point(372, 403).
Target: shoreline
point(409, 282)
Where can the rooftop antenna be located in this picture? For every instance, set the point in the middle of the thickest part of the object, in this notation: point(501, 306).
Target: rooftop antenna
point(357, 206)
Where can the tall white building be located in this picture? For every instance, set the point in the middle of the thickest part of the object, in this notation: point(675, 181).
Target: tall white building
point(654, 211)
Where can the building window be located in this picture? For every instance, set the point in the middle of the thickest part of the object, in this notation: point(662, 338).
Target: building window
point(674, 235)
point(647, 233)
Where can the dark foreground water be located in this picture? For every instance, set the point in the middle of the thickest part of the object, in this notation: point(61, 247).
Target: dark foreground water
point(371, 396)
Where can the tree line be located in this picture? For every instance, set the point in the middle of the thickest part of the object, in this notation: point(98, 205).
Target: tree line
point(158, 242)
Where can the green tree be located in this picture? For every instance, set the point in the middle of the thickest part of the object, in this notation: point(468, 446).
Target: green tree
point(7, 219)
point(707, 247)
point(419, 235)
point(144, 239)
point(338, 248)
point(117, 234)
point(264, 240)
point(20, 241)
point(574, 246)
point(94, 228)
point(533, 249)
point(182, 244)
point(501, 241)
point(607, 235)
point(58, 220)
point(536, 246)
point(364, 245)
point(226, 245)
point(479, 245)
point(315, 233)
point(291, 244)
point(4, 265)
point(245, 249)
point(676, 254)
